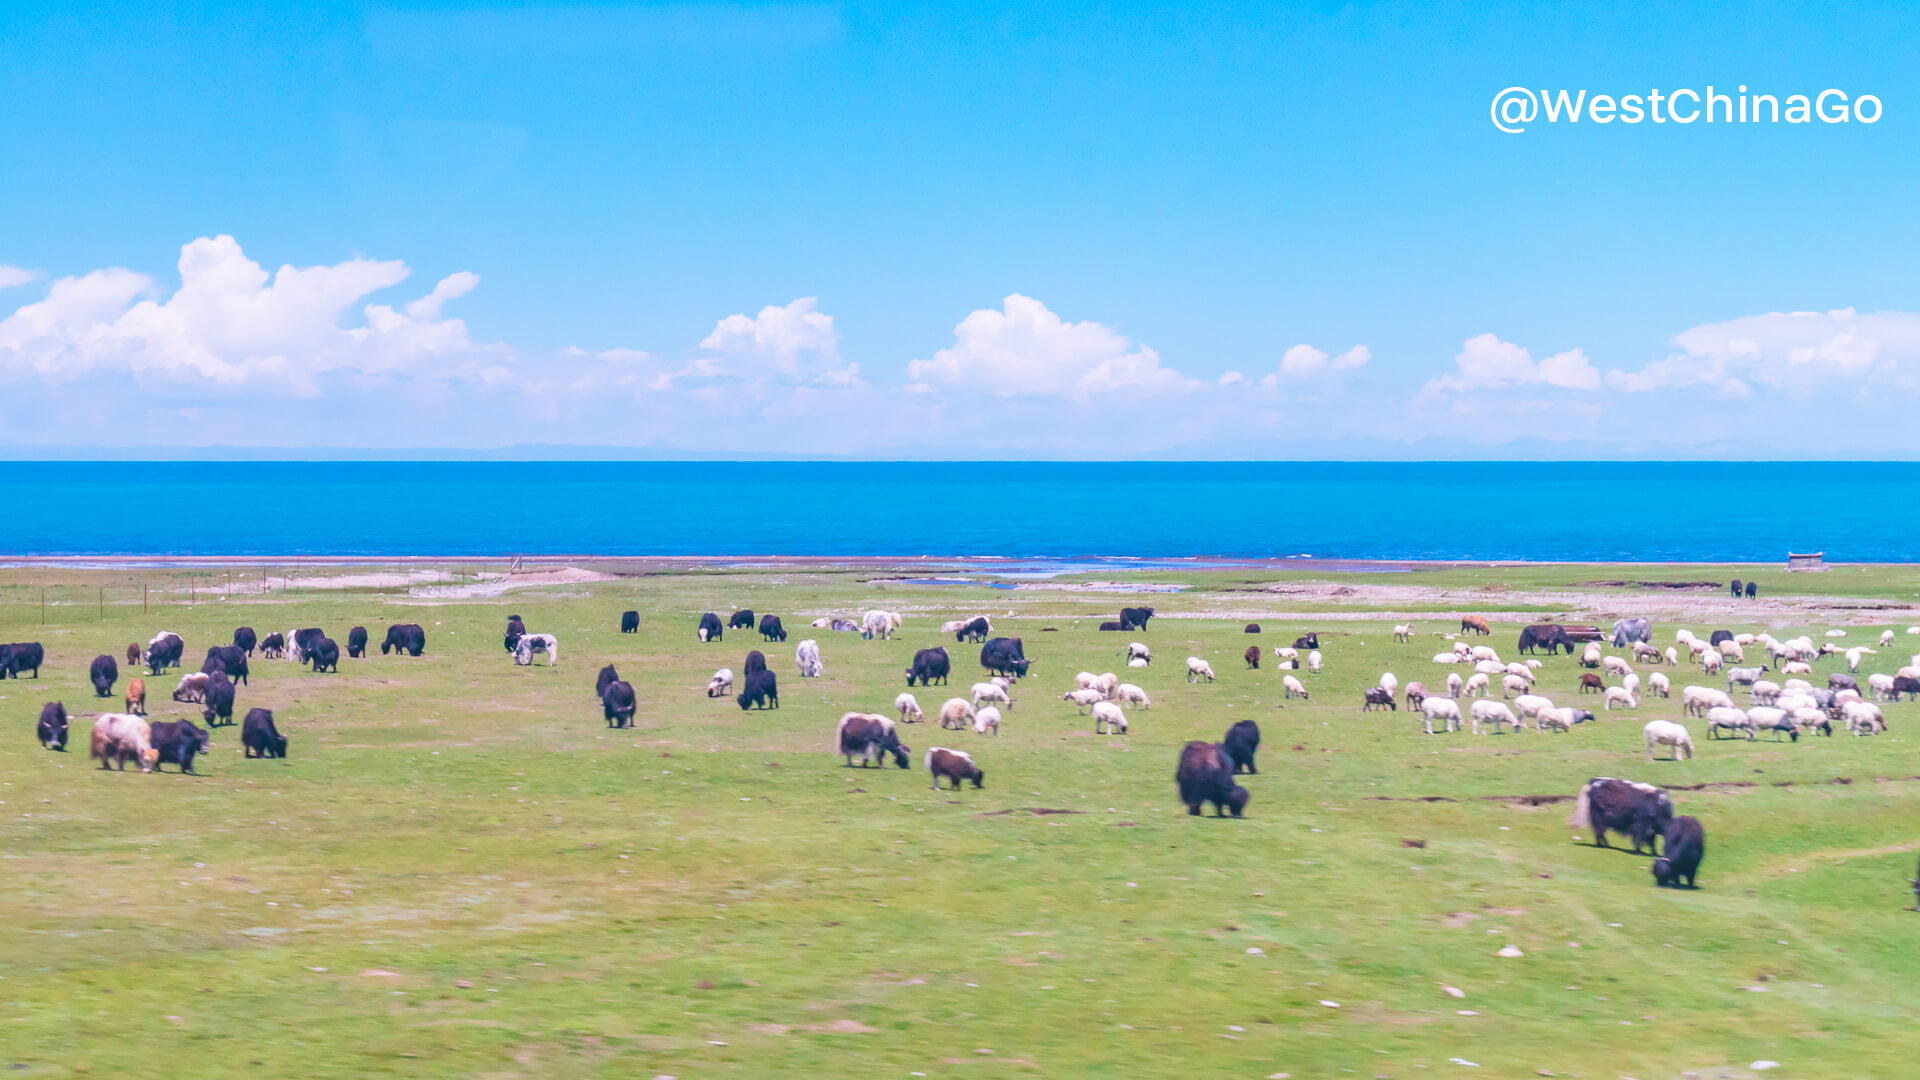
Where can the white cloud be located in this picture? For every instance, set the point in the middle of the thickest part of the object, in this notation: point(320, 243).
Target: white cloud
point(1025, 349)
point(797, 341)
point(1487, 363)
point(451, 287)
point(11, 276)
point(1800, 351)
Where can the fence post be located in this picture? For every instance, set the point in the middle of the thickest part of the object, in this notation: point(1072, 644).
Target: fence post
point(43, 606)
point(143, 598)
point(103, 603)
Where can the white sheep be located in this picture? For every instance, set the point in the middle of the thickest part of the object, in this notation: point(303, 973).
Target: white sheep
point(1085, 680)
point(1447, 658)
point(1490, 667)
point(1621, 696)
point(1492, 713)
point(1658, 684)
point(1796, 667)
point(1130, 694)
point(956, 713)
point(1728, 719)
point(1673, 656)
point(1313, 662)
point(1403, 632)
point(721, 684)
point(1731, 650)
point(1389, 682)
point(1553, 720)
point(1797, 686)
point(1854, 655)
point(1138, 651)
point(1860, 712)
point(1591, 655)
point(1454, 684)
point(1484, 652)
point(1763, 692)
point(1137, 662)
point(1463, 650)
point(1198, 669)
point(1710, 662)
point(1777, 721)
point(1696, 700)
point(1881, 686)
point(987, 721)
point(986, 691)
point(1646, 652)
point(1531, 705)
point(1294, 687)
point(1668, 733)
point(1107, 684)
point(1479, 685)
point(1514, 684)
point(1617, 666)
point(1439, 708)
point(1108, 718)
point(1534, 665)
point(1285, 652)
point(909, 709)
point(1521, 670)
point(1084, 699)
point(1631, 682)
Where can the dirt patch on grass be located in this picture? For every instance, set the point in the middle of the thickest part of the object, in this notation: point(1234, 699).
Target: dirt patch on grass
point(1036, 811)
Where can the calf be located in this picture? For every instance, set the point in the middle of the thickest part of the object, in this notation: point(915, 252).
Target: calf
point(1205, 776)
point(118, 737)
point(405, 637)
point(324, 655)
point(52, 729)
point(133, 653)
point(928, 665)
point(1242, 741)
point(762, 691)
point(177, 741)
point(1253, 657)
point(1109, 625)
point(137, 696)
point(709, 628)
point(104, 674)
point(869, 738)
point(192, 688)
point(954, 765)
point(1686, 845)
point(618, 704)
point(219, 701)
point(259, 738)
point(771, 630)
point(1640, 811)
point(629, 622)
point(357, 643)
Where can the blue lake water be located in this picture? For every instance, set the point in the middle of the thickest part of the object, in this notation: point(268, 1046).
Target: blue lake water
point(1595, 511)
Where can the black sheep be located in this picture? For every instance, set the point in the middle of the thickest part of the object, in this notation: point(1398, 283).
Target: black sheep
point(1242, 741)
point(1206, 776)
point(1686, 845)
point(104, 673)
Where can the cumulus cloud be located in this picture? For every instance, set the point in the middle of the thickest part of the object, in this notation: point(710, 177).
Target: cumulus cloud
point(1023, 349)
point(1798, 351)
point(1302, 361)
point(1487, 363)
point(797, 341)
point(231, 323)
point(11, 276)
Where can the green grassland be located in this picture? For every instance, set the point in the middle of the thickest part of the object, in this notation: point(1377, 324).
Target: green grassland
point(460, 871)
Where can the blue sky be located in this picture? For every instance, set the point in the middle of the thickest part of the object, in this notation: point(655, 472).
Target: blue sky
point(888, 231)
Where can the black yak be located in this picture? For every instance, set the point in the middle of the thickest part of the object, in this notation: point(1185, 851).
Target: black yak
point(1685, 846)
point(617, 703)
point(357, 642)
point(1638, 811)
point(259, 737)
point(1206, 776)
point(928, 665)
point(405, 637)
point(53, 726)
point(709, 629)
point(177, 741)
point(629, 622)
point(104, 674)
point(1242, 741)
point(762, 691)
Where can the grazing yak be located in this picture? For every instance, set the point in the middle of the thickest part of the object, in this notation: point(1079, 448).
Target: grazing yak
point(357, 643)
point(1253, 656)
point(137, 696)
point(954, 765)
point(1685, 846)
point(807, 656)
point(1735, 586)
point(1205, 776)
point(1753, 589)
point(1639, 811)
point(405, 637)
point(741, 620)
point(271, 646)
point(1110, 624)
point(118, 737)
point(192, 687)
point(244, 639)
point(515, 631)
point(1627, 631)
point(52, 728)
point(617, 703)
point(607, 677)
point(1135, 618)
point(133, 653)
point(177, 741)
point(928, 665)
point(536, 643)
point(762, 691)
point(233, 660)
point(709, 628)
point(771, 630)
point(324, 655)
point(21, 656)
point(259, 738)
point(974, 629)
point(104, 674)
point(163, 652)
point(1005, 656)
point(629, 622)
point(755, 661)
point(1242, 741)
point(870, 738)
point(300, 642)
point(1252, 628)
point(218, 703)
point(1476, 624)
